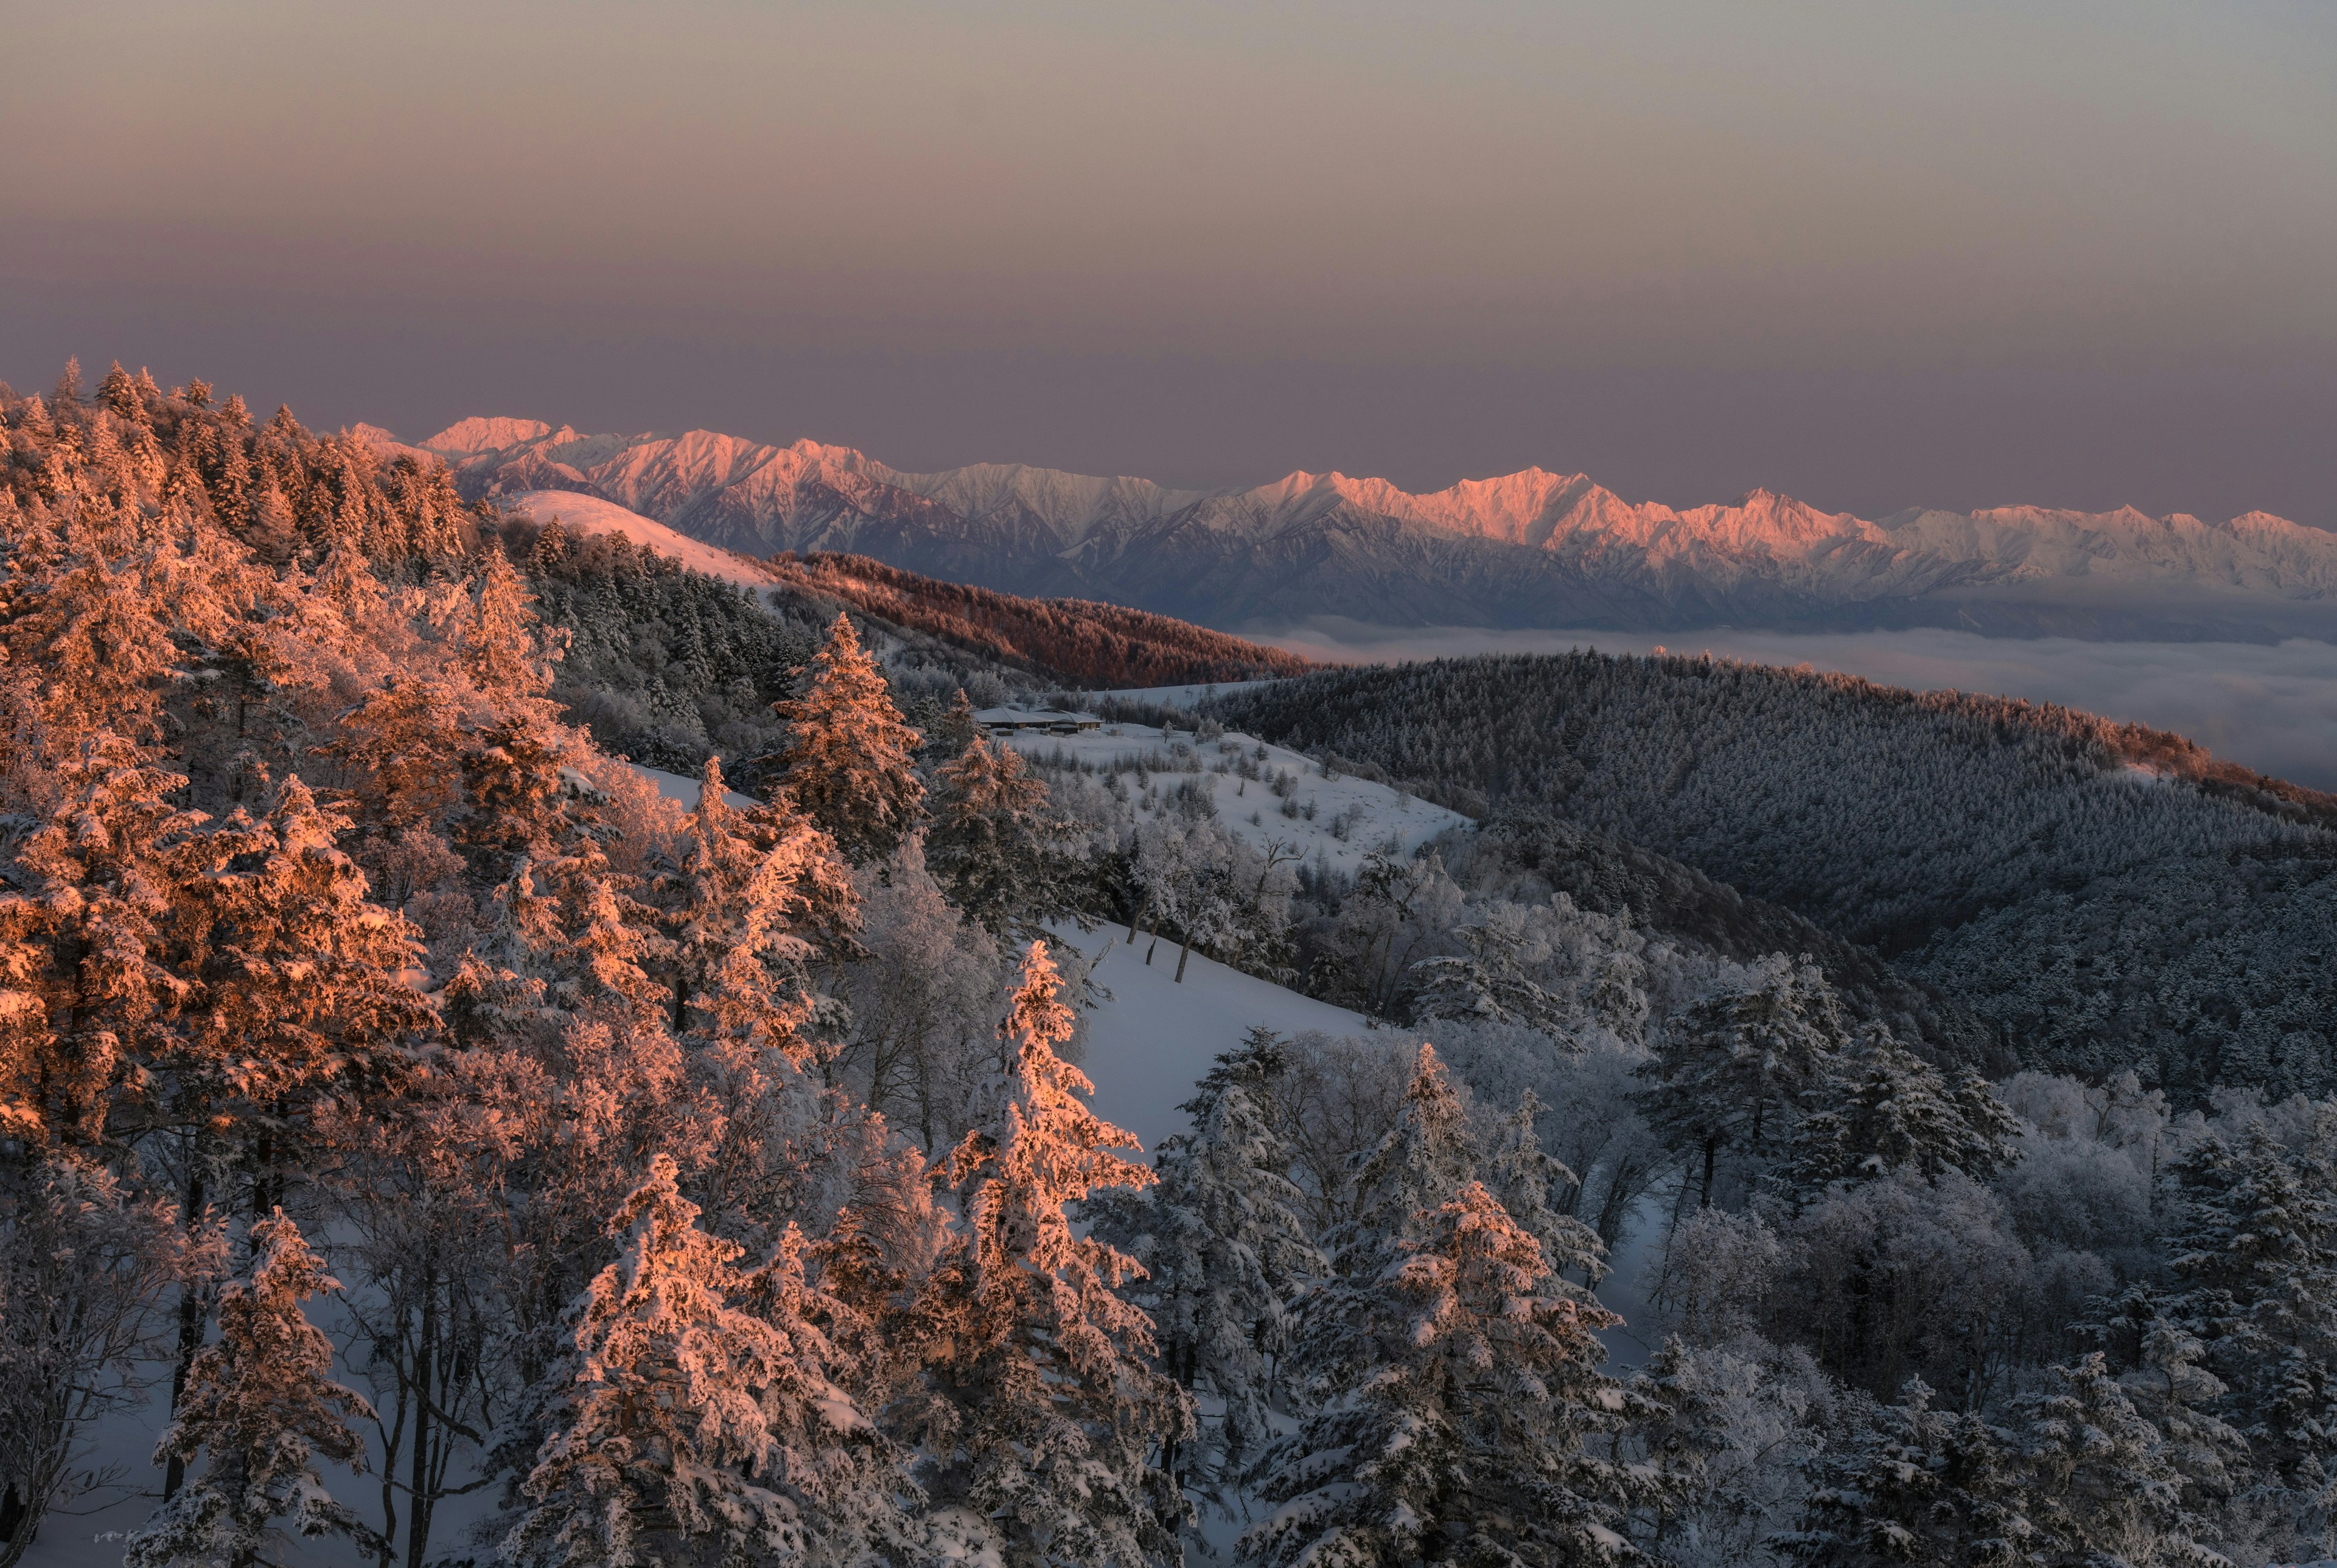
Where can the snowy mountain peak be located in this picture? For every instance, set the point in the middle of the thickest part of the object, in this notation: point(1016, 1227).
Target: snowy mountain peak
point(1529, 548)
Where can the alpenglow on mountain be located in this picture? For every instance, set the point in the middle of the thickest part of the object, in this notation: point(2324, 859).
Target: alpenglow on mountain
point(1532, 549)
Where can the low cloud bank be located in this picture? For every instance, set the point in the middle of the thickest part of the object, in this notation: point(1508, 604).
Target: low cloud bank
point(2272, 708)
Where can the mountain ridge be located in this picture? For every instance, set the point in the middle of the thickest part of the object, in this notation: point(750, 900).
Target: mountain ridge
point(1534, 548)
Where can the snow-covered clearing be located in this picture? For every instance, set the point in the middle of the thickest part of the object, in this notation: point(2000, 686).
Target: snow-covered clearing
point(580, 513)
point(1343, 820)
point(1149, 1039)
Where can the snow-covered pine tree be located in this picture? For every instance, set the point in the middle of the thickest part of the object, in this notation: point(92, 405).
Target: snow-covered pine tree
point(2098, 1480)
point(2255, 1257)
point(1918, 1486)
point(1730, 1073)
point(755, 887)
point(1422, 1438)
point(260, 1407)
point(687, 1429)
point(301, 992)
point(954, 731)
point(848, 760)
point(1041, 1417)
point(1224, 1250)
point(992, 843)
point(1489, 982)
point(1883, 1109)
point(1454, 1428)
point(88, 933)
point(1522, 1174)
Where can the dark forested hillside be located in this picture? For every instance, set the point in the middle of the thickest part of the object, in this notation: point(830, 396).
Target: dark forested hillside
point(1078, 642)
point(2105, 895)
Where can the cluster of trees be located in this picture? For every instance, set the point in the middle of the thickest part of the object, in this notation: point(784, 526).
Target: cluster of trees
point(1074, 642)
point(2027, 861)
point(345, 987)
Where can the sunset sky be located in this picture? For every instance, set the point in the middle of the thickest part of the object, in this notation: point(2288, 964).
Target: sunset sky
point(1875, 255)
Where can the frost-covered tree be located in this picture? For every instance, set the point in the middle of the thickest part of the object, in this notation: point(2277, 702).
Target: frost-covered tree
point(992, 843)
point(849, 761)
point(1918, 1486)
point(1451, 1403)
point(755, 889)
point(260, 1407)
point(1450, 1371)
point(686, 1429)
point(1224, 1249)
point(1730, 1073)
point(1881, 1109)
point(1041, 1421)
point(85, 1265)
point(2255, 1254)
point(2099, 1482)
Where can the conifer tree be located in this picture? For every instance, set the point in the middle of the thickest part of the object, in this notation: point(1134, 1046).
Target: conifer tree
point(756, 886)
point(1918, 1486)
point(2255, 1259)
point(90, 978)
point(1730, 1073)
point(260, 1407)
point(1042, 1416)
point(1222, 1247)
point(1451, 1411)
point(849, 760)
point(689, 1429)
point(992, 843)
point(1882, 1109)
point(2099, 1482)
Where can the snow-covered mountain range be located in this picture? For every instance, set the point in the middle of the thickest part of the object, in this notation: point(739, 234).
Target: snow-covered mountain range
point(1528, 548)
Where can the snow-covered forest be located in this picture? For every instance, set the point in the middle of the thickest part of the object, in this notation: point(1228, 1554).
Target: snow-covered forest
point(456, 1149)
point(2102, 896)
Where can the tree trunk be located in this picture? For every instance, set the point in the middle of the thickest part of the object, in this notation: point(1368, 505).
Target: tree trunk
point(190, 1321)
point(417, 1531)
point(1711, 1155)
point(1185, 953)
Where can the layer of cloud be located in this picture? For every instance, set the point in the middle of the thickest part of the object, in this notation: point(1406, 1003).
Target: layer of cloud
point(2271, 708)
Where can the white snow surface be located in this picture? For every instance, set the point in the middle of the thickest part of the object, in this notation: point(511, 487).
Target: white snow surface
point(1150, 1039)
point(686, 791)
point(581, 513)
point(1375, 817)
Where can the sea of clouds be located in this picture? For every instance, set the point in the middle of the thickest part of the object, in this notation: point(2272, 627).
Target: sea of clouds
point(2273, 707)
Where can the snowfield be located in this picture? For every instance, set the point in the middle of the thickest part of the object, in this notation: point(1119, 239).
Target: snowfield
point(1149, 1040)
point(581, 513)
point(1343, 820)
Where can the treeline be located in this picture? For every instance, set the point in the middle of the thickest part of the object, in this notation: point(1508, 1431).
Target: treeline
point(1077, 643)
point(2096, 915)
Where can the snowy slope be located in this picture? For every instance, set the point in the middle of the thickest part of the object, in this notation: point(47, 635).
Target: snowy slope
point(583, 514)
point(1343, 820)
point(1149, 1039)
point(685, 791)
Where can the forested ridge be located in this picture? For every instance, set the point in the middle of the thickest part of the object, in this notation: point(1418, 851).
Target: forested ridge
point(1075, 642)
point(2106, 896)
point(441, 1146)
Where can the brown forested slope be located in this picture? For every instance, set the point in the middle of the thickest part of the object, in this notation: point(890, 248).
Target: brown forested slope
point(1079, 642)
